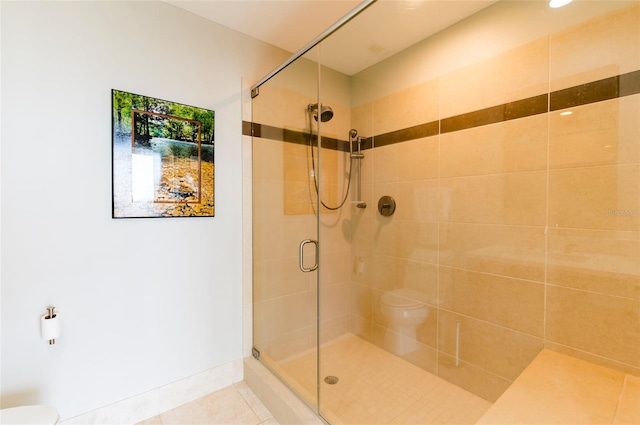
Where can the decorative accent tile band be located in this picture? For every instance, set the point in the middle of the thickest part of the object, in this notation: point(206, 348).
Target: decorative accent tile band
point(291, 136)
point(495, 114)
point(596, 91)
point(410, 133)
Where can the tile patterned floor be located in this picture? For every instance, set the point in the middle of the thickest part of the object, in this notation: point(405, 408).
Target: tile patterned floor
point(234, 405)
point(376, 387)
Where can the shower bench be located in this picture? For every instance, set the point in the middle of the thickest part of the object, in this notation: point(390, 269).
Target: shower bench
point(559, 389)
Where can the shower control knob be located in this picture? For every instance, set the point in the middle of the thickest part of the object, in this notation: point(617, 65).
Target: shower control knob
point(386, 206)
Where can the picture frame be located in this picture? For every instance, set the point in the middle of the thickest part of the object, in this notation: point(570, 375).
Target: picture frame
point(163, 158)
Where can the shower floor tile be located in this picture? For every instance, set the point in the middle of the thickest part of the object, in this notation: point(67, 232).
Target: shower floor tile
point(376, 387)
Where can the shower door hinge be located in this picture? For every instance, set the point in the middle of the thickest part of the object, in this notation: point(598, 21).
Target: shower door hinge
point(255, 92)
point(255, 353)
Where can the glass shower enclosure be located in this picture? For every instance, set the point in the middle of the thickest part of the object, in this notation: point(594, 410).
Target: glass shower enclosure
point(429, 214)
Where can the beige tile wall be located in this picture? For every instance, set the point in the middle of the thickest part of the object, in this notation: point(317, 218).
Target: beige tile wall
point(523, 234)
point(601, 48)
point(517, 74)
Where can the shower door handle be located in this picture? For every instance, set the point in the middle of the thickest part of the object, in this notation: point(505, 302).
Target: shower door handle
point(301, 255)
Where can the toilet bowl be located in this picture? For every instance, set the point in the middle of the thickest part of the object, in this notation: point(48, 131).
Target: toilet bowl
point(404, 309)
point(29, 415)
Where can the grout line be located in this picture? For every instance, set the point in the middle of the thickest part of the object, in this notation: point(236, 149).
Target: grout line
point(590, 291)
point(484, 321)
point(489, 372)
point(619, 401)
point(607, 360)
point(439, 209)
point(546, 214)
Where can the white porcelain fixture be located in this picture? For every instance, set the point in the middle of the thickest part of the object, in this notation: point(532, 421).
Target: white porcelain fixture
point(29, 415)
point(404, 309)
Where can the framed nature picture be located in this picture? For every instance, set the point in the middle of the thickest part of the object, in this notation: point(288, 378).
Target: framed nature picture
point(163, 158)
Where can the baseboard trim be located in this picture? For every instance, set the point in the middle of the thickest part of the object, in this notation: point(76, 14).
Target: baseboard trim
point(159, 400)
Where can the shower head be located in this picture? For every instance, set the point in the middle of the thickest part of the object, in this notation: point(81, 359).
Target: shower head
point(326, 113)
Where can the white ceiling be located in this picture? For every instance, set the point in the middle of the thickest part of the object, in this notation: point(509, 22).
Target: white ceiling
point(382, 30)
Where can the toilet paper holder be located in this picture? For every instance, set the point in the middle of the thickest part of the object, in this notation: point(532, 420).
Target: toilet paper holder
point(51, 313)
point(50, 327)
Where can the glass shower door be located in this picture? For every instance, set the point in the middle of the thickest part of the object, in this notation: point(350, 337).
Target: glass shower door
point(285, 249)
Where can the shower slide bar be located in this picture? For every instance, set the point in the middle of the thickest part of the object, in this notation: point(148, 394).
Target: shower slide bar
point(326, 33)
point(358, 156)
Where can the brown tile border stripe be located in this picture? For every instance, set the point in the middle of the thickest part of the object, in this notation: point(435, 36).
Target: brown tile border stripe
point(508, 111)
point(629, 83)
point(290, 136)
point(367, 143)
point(596, 91)
point(411, 133)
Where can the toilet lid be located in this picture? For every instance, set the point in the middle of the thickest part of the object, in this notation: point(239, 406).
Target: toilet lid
point(29, 415)
point(404, 297)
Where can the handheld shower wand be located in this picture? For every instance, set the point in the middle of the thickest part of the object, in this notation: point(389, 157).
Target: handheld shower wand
point(322, 113)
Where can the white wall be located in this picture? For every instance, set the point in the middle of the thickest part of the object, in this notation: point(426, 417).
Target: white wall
point(143, 302)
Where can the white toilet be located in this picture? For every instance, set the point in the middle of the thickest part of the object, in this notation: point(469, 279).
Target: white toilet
point(29, 415)
point(404, 309)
